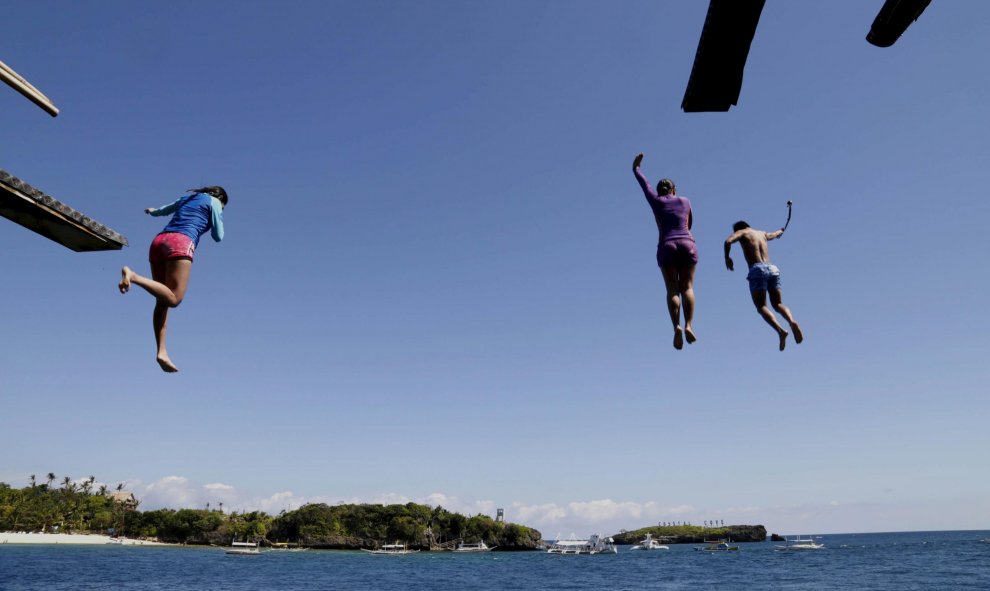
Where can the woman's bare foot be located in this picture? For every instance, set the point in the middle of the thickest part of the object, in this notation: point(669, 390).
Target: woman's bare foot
point(678, 338)
point(125, 279)
point(798, 336)
point(689, 335)
point(166, 363)
point(783, 338)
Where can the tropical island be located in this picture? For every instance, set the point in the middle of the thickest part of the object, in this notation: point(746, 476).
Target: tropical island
point(83, 508)
point(694, 534)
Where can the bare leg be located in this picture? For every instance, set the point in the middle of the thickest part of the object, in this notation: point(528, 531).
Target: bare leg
point(670, 280)
point(775, 301)
point(685, 285)
point(168, 285)
point(159, 321)
point(158, 287)
point(760, 300)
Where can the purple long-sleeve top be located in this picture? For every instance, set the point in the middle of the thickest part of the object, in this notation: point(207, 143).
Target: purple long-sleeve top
point(671, 212)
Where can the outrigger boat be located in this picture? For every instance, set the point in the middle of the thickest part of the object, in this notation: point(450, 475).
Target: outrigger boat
point(593, 545)
point(648, 543)
point(478, 547)
point(717, 546)
point(288, 547)
point(395, 549)
point(800, 543)
point(243, 549)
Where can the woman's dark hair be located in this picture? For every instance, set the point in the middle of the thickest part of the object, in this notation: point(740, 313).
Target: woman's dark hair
point(740, 225)
point(666, 187)
point(216, 191)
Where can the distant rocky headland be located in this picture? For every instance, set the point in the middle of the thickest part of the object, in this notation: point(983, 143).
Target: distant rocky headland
point(694, 534)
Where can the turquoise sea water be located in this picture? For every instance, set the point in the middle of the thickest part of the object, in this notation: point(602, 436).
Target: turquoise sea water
point(915, 560)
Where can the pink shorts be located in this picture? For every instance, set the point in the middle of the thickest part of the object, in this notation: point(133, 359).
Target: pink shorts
point(171, 245)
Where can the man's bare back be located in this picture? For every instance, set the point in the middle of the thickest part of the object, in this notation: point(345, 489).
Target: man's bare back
point(753, 243)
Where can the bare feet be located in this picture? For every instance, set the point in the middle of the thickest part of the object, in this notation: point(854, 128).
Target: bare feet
point(783, 339)
point(798, 336)
point(125, 279)
point(166, 364)
point(689, 335)
point(678, 338)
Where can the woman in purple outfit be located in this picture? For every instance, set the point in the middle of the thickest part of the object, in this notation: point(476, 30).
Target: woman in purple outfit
point(676, 251)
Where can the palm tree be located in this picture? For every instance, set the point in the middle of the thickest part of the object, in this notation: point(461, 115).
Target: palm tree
point(33, 482)
point(51, 479)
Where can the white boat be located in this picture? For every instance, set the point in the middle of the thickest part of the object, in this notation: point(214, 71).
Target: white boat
point(717, 546)
point(392, 549)
point(288, 547)
point(593, 545)
point(799, 543)
point(479, 547)
point(648, 543)
point(243, 549)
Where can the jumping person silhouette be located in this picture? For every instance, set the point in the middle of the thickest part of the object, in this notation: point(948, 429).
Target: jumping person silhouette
point(677, 255)
point(764, 277)
point(171, 255)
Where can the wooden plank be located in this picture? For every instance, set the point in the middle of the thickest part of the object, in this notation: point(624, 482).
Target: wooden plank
point(894, 18)
point(18, 83)
point(717, 74)
point(42, 213)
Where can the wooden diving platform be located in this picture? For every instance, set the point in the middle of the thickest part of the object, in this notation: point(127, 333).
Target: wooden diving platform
point(894, 18)
point(18, 83)
point(42, 213)
point(717, 74)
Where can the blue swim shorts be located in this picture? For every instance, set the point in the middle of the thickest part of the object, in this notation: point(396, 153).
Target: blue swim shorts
point(763, 276)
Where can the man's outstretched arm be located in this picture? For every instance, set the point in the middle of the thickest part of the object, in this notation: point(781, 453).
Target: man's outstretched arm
point(777, 234)
point(728, 246)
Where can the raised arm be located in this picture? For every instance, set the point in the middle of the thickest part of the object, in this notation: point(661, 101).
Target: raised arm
point(777, 234)
point(648, 191)
point(734, 237)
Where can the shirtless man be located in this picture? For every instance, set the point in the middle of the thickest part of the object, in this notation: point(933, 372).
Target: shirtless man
point(763, 276)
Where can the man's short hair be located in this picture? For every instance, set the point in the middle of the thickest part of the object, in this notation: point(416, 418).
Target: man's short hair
point(740, 225)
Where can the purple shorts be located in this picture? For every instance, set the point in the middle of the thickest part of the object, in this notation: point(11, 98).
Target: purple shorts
point(680, 252)
point(171, 245)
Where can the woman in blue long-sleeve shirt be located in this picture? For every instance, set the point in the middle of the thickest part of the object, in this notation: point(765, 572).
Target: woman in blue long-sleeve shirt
point(171, 255)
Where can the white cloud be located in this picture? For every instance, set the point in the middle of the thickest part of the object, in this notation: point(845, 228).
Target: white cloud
point(281, 501)
point(743, 510)
point(584, 517)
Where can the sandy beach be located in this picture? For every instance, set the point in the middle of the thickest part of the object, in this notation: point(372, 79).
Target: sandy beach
point(44, 538)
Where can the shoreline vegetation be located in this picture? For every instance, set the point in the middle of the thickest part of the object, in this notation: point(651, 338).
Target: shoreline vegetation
point(694, 534)
point(79, 513)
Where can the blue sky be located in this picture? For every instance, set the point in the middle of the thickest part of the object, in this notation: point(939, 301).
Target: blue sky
point(438, 281)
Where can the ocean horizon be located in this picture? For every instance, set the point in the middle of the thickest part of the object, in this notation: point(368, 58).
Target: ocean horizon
point(886, 560)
